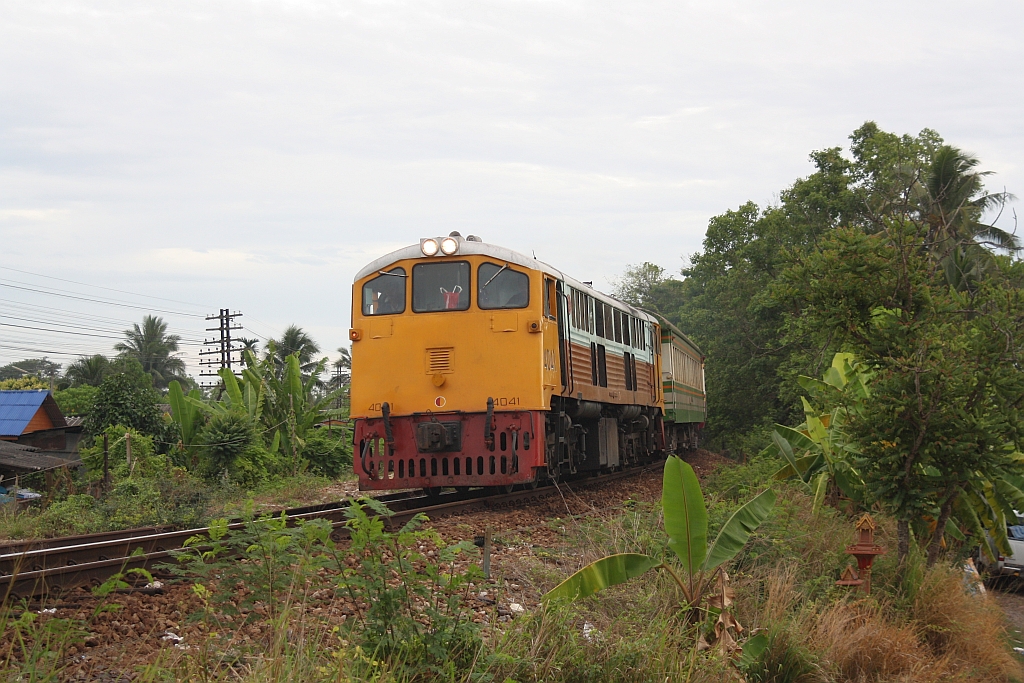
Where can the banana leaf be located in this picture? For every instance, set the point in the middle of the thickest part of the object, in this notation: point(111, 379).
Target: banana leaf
point(737, 530)
point(608, 571)
point(798, 440)
point(231, 388)
point(820, 488)
point(805, 466)
point(686, 518)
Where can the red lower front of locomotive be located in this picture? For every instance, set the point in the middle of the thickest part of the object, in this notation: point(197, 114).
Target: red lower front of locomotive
point(448, 449)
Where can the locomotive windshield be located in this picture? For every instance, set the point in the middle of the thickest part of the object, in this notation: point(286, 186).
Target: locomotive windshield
point(440, 286)
point(385, 293)
point(502, 287)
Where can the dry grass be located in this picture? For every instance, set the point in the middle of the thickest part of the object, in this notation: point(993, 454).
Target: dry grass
point(967, 631)
point(947, 635)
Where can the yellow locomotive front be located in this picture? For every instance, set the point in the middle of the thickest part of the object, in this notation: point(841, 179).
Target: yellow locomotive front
point(454, 362)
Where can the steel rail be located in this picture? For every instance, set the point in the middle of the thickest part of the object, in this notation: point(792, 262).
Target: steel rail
point(60, 568)
point(21, 546)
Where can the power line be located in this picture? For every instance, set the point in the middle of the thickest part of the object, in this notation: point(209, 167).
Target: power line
point(79, 327)
point(109, 289)
point(38, 308)
point(98, 301)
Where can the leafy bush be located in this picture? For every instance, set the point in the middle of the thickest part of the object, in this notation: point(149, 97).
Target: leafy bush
point(23, 384)
point(126, 398)
point(76, 514)
point(76, 400)
point(410, 618)
point(177, 500)
point(328, 454)
point(230, 448)
point(146, 463)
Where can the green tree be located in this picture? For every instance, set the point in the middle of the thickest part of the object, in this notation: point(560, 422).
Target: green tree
point(127, 398)
point(76, 400)
point(31, 367)
point(943, 422)
point(723, 300)
point(88, 370)
point(295, 341)
point(154, 349)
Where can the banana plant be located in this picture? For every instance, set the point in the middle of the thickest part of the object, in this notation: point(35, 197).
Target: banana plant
point(986, 507)
point(185, 413)
point(697, 568)
point(818, 451)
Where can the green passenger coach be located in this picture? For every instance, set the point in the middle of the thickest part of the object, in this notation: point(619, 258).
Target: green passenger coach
point(682, 374)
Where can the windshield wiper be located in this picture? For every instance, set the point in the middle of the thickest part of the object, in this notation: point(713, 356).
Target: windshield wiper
point(384, 272)
point(494, 276)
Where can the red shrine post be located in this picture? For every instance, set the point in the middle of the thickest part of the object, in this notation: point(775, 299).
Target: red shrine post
point(865, 550)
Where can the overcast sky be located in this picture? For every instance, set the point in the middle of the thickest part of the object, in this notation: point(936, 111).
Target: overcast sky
point(254, 155)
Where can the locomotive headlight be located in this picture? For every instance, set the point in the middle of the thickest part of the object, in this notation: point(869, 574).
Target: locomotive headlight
point(428, 247)
point(449, 245)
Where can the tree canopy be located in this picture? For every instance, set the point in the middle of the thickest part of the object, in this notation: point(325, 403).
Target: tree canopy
point(891, 256)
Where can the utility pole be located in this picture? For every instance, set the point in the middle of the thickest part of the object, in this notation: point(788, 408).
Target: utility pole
point(223, 348)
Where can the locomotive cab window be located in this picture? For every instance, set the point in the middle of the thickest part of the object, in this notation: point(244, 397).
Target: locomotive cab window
point(385, 294)
point(502, 287)
point(440, 286)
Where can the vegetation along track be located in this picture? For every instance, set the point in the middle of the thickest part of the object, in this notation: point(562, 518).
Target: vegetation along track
point(34, 568)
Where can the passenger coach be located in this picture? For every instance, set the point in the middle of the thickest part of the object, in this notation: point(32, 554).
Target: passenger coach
point(474, 365)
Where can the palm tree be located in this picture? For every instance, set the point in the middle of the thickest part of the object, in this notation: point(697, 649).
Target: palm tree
point(155, 350)
point(295, 340)
point(88, 370)
point(952, 199)
point(343, 366)
point(249, 344)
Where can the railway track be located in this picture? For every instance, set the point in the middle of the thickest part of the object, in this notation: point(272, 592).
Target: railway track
point(31, 569)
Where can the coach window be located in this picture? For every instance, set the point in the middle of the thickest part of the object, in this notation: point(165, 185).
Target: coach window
point(385, 293)
point(502, 287)
point(440, 286)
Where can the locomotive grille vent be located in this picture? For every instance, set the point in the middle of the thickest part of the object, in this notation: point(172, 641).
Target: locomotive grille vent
point(439, 361)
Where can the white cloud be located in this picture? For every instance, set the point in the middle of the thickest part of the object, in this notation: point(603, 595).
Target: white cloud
point(255, 154)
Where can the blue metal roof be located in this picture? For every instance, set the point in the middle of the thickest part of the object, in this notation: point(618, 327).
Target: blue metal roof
point(17, 408)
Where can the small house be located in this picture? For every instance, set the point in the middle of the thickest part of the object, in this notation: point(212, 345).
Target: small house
point(33, 418)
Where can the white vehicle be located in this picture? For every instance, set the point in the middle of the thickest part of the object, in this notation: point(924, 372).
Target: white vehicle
point(1011, 565)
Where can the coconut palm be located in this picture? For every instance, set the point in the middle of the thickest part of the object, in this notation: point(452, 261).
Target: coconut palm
point(951, 200)
point(296, 340)
point(343, 366)
point(88, 370)
point(155, 350)
point(249, 344)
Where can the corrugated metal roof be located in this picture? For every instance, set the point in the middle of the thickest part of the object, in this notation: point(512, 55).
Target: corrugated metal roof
point(18, 407)
point(18, 458)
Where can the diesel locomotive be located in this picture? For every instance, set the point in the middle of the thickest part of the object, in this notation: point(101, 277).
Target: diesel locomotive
point(474, 365)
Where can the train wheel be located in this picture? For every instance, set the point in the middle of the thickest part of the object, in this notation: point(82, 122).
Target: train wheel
point(432, 492)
